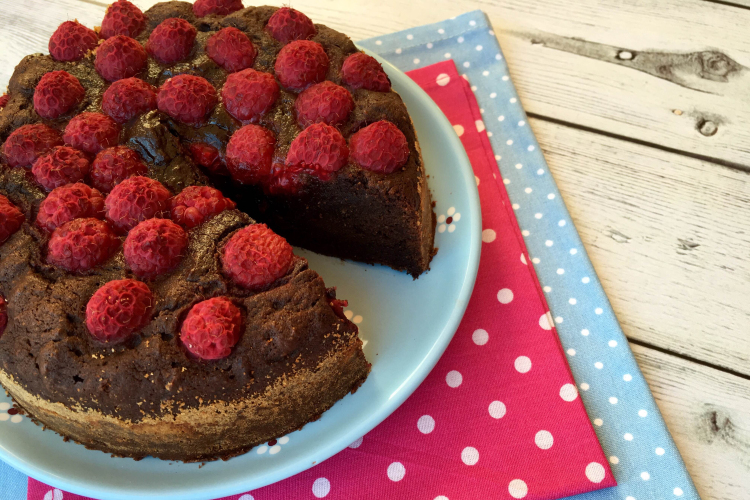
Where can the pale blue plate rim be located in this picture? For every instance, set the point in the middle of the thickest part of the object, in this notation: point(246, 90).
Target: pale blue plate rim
point(411, 381)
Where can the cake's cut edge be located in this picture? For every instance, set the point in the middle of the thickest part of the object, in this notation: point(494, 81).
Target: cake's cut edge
point(428, 220)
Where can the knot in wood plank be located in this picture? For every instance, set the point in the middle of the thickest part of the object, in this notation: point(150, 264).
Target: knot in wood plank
point(706, 71)
point(716, 426)
point(626, 55)
point(717, 66)
point(707, 128)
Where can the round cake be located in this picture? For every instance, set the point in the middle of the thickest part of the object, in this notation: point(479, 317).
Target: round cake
point(143, 310)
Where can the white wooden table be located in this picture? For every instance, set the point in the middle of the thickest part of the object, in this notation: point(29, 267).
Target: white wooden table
point(643, 111)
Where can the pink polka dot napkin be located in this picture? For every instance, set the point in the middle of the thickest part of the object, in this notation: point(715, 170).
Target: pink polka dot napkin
point(499, 416)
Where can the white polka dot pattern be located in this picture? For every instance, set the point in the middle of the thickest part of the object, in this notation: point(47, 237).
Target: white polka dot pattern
point(426, 424)
point(595, 472)
point(544, 439)
point(517, 488)
point(396, 471)
point(480, 336)
point(497, 409)
point(505, 296)
point(321, 487)
point(470, 455)
point(453, 379)
point(522, 364)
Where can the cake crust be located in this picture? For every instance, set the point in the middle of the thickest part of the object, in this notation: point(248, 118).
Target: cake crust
point(216, 430)
point(295, 359)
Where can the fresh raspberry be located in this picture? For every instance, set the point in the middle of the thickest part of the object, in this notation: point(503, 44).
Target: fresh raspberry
point(300, 64)
point(361, 71)
point(187, 98)
point(231, 49)
point(113, 165)
point(128, 98)
point(120, 57)
point(287, 179)
point(72, 201)
point(119, 309)
point(123, 18)
point(211, 328)
point(172, 40)
point(197, 204)
point(319, 147)
point(63, 165)
point(91, 132)
point(203, 8)
point(11, 219)
point(29, 142)
point(81, 244)
point(57, 93)
point(324, 102)
point(207, 156)
point(3, 314)
point(380, 147)
point(71, 40)
point(287, 24)
point(249, 154)
point(154, 247)
point(4, 100)
point(255, 257)
point(135, 199)
point(249, 93)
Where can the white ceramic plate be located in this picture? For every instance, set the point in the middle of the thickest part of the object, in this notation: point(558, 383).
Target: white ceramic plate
point(407, 325)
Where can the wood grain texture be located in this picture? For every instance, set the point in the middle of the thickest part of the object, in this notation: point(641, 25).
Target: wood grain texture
point(709, 416)
point(573, 82)
point(27, 26)
point(667, 236)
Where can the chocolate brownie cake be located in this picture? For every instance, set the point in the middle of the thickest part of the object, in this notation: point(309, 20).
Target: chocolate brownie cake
point(143, 310)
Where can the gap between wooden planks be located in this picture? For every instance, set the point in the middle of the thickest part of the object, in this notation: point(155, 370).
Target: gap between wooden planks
point(745, 4)
point(667, 236)
point(672, 73)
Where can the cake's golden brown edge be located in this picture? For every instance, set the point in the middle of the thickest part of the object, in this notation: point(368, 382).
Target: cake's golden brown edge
point(218, 430)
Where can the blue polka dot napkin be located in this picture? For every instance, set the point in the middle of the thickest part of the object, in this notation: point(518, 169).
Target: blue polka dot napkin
point(641, 452)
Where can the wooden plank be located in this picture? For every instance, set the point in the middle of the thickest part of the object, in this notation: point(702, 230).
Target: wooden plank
point(28, 25)
point(564, 59)
point(667, 236)
point(684, 86)
point(708, 414)
point(587, 84)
